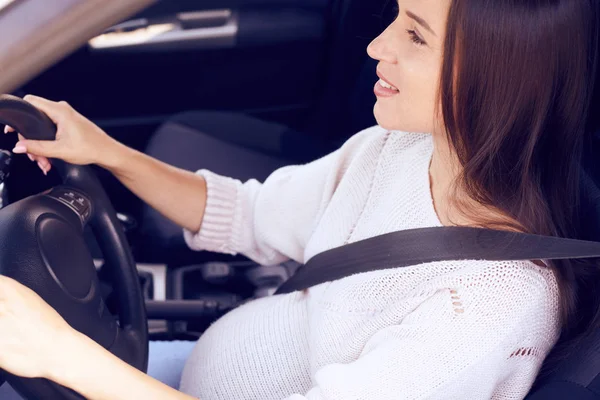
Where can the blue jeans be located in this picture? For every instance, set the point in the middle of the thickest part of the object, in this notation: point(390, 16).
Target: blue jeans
point(165, 363)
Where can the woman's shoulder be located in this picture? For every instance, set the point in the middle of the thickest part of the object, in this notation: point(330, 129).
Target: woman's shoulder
point(370, 144)
point(400, 139)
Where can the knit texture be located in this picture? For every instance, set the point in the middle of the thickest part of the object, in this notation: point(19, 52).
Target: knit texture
point(458, 329)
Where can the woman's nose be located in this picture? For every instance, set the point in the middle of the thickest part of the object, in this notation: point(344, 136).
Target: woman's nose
point(382, 48)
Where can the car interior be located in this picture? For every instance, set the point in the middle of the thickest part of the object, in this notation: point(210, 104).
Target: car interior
point(266, 83)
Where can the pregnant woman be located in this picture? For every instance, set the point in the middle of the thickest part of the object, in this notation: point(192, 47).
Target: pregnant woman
point(481, 109)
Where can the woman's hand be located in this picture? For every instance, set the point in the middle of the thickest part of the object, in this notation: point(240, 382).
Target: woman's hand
point(78, 140)
point(36, 342)
point(32, 333)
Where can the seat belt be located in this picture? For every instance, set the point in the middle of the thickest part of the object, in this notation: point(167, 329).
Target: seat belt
point(425, 245)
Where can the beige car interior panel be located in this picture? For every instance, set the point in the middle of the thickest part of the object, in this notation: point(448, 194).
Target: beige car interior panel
point(189, 30)
point(35, 34)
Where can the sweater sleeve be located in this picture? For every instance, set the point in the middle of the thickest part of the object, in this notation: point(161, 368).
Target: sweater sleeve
point(271, 222)
point(465, 348)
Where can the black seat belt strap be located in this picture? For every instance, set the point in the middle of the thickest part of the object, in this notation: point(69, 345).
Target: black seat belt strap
point(423, 245)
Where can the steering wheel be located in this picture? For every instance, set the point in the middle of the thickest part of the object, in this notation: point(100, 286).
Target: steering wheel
point(42, 246)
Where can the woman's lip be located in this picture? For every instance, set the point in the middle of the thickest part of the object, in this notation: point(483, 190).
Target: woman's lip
point(381, 91)
point(380, 75)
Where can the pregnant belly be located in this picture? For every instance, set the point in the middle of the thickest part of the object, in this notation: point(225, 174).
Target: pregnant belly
point(257, 351)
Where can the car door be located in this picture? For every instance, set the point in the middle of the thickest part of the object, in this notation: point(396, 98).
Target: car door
point(262, 57)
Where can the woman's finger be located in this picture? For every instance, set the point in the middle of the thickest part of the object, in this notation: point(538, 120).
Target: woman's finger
point(45, 148)
point(31, 158)
point(8, 129)
point(42, 168)
point(44, 162)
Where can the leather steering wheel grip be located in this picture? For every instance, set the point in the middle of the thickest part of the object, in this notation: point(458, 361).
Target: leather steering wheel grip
point(26, 118)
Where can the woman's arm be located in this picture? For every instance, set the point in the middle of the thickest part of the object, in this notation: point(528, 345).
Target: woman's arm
point(273, 221)
point(177, 194)
point(99, 375)
point(36, 342)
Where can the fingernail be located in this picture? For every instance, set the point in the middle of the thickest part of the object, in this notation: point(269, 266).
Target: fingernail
point(20, 149)
point(30, 157)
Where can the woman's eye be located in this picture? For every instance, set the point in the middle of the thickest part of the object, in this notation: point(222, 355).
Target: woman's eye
point(415, 38)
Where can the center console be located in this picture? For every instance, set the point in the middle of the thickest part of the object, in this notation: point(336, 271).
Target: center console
point(182, 302)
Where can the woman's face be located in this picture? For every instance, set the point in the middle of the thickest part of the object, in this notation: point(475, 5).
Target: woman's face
point(409, 52)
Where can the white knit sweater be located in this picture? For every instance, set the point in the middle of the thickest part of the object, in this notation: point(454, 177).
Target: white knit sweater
point(443, 330)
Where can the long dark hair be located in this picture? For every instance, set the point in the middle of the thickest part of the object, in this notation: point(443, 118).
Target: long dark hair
point(515, 95)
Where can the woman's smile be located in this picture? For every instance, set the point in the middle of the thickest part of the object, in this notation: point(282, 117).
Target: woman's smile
point(383, 88)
